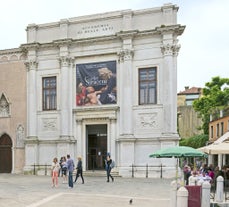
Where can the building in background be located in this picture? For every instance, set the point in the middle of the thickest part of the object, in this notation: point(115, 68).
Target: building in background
point(219, 136)
point(103, 83)
point(12, 110)
point(188, 120)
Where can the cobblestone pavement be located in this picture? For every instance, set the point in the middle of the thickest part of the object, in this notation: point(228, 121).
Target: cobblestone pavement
point(34, 191)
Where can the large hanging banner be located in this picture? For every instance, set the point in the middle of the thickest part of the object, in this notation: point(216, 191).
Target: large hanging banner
point(96, 83)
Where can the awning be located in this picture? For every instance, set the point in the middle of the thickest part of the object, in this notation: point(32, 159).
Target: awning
point(216, 148)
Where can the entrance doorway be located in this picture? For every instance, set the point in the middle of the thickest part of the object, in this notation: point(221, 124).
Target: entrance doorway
point(5, 154)
point(96, 146)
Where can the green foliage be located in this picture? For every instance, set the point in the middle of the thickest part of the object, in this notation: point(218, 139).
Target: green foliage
point(195, 141)
point(215, 96)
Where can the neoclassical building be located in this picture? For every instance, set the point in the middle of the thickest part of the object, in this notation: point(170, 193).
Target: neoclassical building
point(103, 83)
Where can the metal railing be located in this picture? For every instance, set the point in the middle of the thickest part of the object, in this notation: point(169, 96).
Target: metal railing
point(40, 167)
point(135, 167)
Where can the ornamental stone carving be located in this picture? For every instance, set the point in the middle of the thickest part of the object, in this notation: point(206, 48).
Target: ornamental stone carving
point(20, 136)
point(31, 64)
point(170, 49)
point(49, 124)
point(147, 120)
point(125, 54)
point(66, 61)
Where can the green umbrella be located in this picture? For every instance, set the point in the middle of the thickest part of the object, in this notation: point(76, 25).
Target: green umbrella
point(178, 151)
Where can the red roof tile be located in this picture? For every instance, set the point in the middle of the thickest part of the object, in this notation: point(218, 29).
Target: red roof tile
point(193, 90)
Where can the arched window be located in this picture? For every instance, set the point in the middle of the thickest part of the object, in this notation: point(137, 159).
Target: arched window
point(4, 106)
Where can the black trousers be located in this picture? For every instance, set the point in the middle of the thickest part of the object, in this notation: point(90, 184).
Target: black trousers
point(109, 174)
point(79, 173)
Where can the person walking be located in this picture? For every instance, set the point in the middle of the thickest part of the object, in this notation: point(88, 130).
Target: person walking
point(70, 166)
point(64, 170)
point(55, 171)
point(109, 166)
point(79, 170)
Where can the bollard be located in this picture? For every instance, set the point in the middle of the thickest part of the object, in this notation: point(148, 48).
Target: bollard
point(219, 189)
point(182, 197)
point(206, 190)
point(173, 194)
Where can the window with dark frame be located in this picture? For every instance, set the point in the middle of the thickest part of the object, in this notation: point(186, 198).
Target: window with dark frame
point(148, 85)
point(222, 128)
point(212, 132)
point(217, 130)
point(49, 93)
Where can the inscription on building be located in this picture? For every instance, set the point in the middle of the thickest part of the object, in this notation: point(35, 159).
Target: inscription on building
point(98, 28)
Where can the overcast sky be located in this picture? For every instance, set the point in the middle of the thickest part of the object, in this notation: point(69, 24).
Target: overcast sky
point(204, 43)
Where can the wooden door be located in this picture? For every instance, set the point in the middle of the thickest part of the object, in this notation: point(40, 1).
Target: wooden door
point(5, 154)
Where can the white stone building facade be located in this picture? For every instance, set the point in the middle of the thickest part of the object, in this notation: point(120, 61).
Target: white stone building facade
point(141, 47)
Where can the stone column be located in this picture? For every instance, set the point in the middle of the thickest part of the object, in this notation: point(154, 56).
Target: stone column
point(79, 137)
point(112, 135)
point(65, 94)
point(126, 92)
point(210, 159)
point(31, 66)
point(224, 159)
point(220, 161)
point(169, 88)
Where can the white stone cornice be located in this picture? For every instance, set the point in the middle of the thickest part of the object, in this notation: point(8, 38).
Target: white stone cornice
point(170, 49)
point(31, 65)
point(174, 29)
point(127, 34)
point(63, 42)
point(30, 46)
point(125, 54)
point(66, 61)
point(32, 27)
point(11, 51)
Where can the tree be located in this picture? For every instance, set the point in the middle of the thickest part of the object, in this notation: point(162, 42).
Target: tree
point(195, 141)
point(215, 97)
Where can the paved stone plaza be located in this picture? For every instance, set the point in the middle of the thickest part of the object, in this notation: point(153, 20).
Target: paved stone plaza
point(34, 191)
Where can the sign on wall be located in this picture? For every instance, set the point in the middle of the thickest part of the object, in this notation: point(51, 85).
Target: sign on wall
point(96, 83)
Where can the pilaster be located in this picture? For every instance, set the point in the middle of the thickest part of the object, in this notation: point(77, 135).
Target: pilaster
point(31, 33)
point(79, 129)
point(127, 20)
point(113, 136)
point(64, 28)
point(31, 66)
point(66, 64)
point(126, 85)
point(169, 51)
